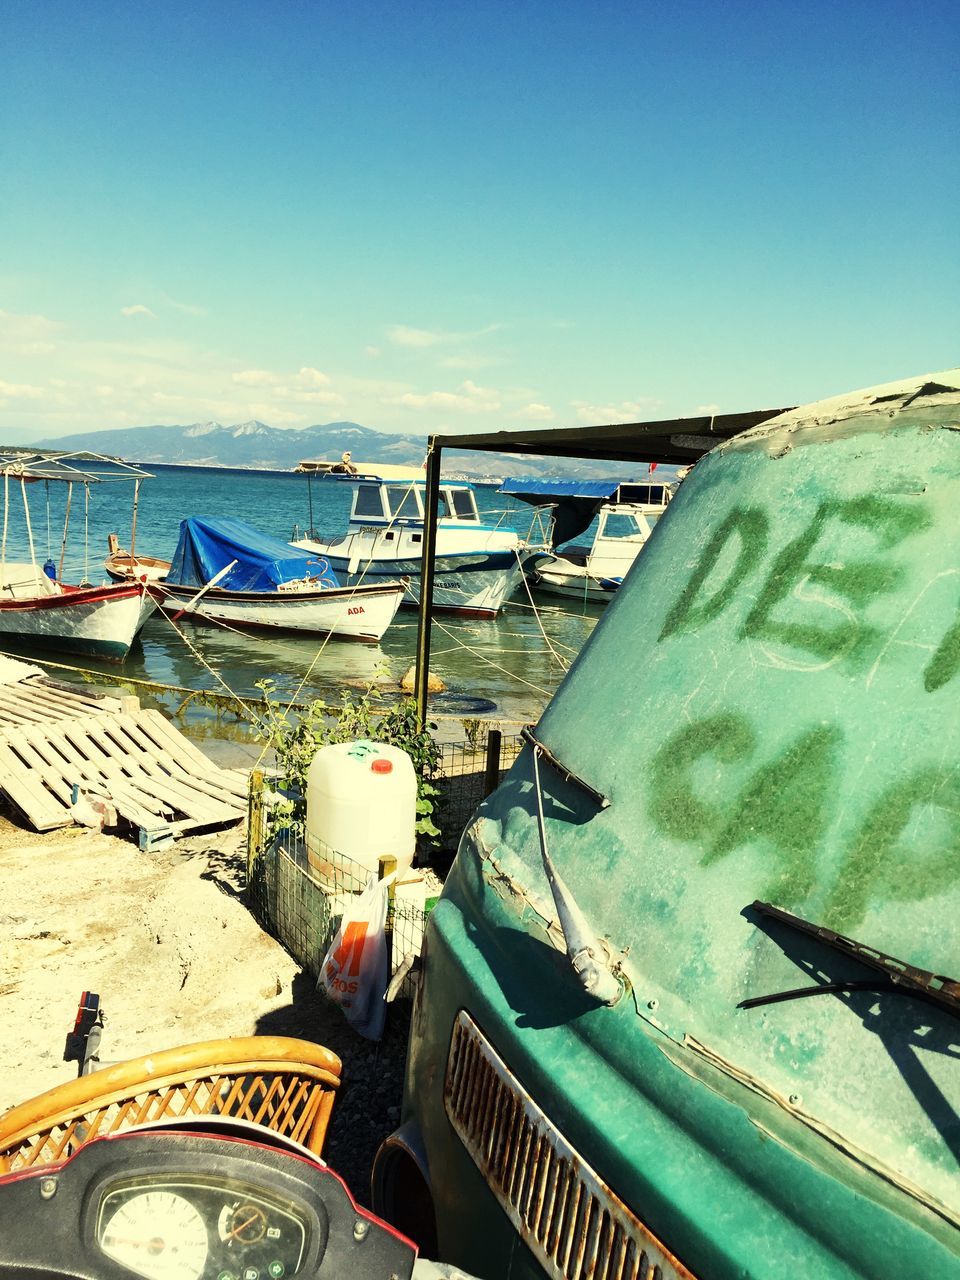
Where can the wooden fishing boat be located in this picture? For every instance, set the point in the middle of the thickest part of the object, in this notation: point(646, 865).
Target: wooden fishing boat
point(124, 566)
point(36, 606)
point(100, 621)
point(226, 571)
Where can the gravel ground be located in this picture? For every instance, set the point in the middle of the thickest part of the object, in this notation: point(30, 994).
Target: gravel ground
point(168, 943)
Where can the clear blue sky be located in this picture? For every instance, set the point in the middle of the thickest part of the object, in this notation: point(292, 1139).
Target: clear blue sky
point(470, 216)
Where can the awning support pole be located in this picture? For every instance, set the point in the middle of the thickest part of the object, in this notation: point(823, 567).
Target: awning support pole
point(431, 502)
point(66, 525)
point(133, 528)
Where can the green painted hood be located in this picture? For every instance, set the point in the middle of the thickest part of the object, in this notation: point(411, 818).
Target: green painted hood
point(772, 707)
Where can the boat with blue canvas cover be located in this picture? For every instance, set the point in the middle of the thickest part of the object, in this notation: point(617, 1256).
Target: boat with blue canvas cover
point(478, 565)
point(625, 515)
point(227, 571)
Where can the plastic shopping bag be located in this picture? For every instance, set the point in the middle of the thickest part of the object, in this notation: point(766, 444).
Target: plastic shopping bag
point(355, 970)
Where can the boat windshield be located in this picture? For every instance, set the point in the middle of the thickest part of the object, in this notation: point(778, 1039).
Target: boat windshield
point(403, 502)
point(464, 504)
point(368, 501)
point(621, 525)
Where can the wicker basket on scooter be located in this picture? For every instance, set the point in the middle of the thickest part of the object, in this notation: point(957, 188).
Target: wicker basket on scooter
point(284, 1085)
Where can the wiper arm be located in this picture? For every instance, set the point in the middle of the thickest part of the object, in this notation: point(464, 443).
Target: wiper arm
point(899, 977)
point(599, 799)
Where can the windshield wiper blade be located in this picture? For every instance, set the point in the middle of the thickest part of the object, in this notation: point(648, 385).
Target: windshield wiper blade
point(599, 799)
point(900, 977)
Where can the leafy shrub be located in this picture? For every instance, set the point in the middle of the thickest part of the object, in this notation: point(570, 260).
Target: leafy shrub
point(296, 737)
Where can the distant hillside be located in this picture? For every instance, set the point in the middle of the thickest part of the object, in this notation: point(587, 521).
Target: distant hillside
point(254, 444)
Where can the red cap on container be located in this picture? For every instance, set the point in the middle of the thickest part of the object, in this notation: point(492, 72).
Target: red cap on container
point(382, 765)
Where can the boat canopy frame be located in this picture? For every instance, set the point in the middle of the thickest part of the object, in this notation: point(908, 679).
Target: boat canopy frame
point(77, 467)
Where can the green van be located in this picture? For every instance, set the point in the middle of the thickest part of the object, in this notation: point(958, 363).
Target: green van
point(686, 1005)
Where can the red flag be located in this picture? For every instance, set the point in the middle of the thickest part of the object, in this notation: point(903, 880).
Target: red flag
point(652, 467)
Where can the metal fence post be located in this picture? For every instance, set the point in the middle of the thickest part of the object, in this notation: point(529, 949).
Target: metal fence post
point(386, 867)
point(255, 815)
point(491, 775)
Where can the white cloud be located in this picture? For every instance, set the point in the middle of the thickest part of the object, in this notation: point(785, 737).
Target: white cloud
point(28, 335)
point(402, 335)
point(706, 410)
point(19, 391)
point(186, 307)
point(468, 362)
point(104, 392)
point(306, 395)
point(312, 378)
point(468, 399)
point(372, 352)
point(256, 378)
point(137, 309)
point(535, 413)
point(625, 411)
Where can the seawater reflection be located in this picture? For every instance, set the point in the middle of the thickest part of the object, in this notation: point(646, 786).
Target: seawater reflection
point(507, 661)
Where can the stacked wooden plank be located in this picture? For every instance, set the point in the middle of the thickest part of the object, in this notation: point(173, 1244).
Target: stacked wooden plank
point(61, 747)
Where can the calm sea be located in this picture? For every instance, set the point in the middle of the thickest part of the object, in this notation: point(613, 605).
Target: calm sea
point(506, 662)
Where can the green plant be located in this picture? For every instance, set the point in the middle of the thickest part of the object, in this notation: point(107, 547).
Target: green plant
point(296, 737)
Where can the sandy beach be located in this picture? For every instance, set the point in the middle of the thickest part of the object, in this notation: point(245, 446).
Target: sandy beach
point(167, 942)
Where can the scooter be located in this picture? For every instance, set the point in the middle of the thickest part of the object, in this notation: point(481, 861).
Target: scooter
point(212, 1196)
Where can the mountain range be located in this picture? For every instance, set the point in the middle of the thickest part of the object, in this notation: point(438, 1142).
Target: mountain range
point(255, 444)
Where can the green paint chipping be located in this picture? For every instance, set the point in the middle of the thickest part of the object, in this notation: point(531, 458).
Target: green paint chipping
point(893, 837)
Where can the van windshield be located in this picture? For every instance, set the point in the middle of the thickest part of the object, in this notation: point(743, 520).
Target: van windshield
point(772, 706)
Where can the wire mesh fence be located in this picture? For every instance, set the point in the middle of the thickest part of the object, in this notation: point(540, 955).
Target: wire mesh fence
point(299, 887)
point(469, 771)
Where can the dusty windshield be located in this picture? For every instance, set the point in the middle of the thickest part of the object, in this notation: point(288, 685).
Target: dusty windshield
point(772, 706)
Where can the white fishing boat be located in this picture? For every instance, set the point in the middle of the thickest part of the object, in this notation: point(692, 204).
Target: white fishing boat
point(478, 565)
point(226, 571)
point(625, 515)
point(36, 606)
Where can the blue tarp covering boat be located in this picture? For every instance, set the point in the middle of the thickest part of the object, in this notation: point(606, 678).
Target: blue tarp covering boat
point(576, 502)
point(208, 544)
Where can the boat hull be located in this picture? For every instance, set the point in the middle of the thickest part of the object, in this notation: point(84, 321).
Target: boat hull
point(565, 578)
point(472, 586)
point(360, 614)
point(101, 622)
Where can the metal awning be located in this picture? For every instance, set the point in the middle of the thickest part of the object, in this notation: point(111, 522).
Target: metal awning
point(672, 440)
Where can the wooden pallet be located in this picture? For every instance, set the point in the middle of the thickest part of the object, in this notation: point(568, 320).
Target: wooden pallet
point(154, 776)
point(37, 700)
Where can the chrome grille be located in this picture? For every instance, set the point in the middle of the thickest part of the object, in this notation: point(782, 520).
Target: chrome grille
point(574, 1224)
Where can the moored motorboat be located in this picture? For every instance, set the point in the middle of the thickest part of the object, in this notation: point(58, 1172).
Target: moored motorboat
point(478, 565)
point(227, 571)
point(36, 606)
point(124, 566)
point(625, 515)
